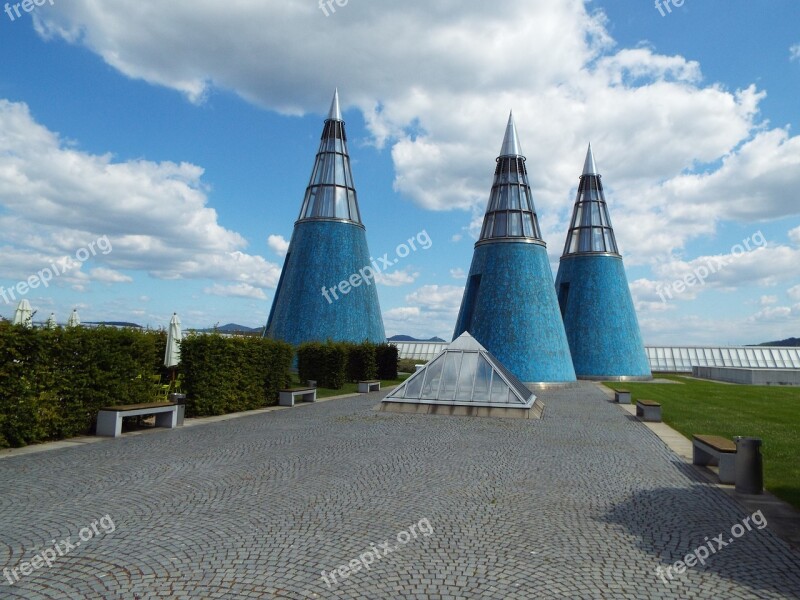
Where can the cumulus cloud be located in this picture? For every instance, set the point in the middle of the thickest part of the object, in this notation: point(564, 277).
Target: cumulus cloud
point(429, 311)
point(397, 278)
point(794, 52)
point(239, 290)
point(109, 276)
point(458, 273)
point(58, 199)
point(278, 244)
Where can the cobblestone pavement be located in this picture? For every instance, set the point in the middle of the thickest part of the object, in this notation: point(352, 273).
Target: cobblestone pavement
point(585, 503)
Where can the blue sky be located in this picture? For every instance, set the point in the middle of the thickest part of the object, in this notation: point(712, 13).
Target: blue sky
point(185, 135)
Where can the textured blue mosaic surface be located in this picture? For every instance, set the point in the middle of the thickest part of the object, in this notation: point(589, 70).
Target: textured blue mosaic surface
point(514, 312)
point(600, 318)
point(323, 254)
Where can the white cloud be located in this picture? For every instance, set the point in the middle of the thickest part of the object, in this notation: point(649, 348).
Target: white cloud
point(430, 311)
point(109, 276)
point(773, 313)
point(397, 278)
point(794, 235)
point(794, 293)
point(794, 52)
point(58, 199)
point(458, 273)
point(456, 238)
point(764, 266)
point(278, 244)
point(768, 300)
point(662, 129)
point(239, 290)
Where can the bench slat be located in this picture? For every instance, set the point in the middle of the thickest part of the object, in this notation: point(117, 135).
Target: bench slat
point(718, 443)
point(298, 390)
point(128, 407)
point(648, 403)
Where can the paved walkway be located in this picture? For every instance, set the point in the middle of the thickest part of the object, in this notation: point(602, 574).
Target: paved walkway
point(586, 503)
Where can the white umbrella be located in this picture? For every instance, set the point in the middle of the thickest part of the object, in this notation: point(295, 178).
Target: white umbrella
point(172, 356)
point(74, 320)
point(23, 315)
point(51, 321)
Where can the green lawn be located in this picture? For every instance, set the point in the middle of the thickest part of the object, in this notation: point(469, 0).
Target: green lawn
point(706, 407)
point(349, 388)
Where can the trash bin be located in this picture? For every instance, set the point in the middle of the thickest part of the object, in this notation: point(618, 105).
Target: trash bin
point(180, 400)
point(749, 466)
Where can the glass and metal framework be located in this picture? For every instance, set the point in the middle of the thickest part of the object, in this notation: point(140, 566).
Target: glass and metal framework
point(331, 193)
point(511, 213)
point(590, 231)
point(464, 374)
point(667, 359)
point(681, 359)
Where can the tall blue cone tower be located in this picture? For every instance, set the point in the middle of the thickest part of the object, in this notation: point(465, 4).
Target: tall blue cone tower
point(593, 291)
point(327, 287)
point(509, 304)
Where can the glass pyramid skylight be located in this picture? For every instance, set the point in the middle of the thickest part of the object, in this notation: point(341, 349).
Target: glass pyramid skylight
point(464, 374)
point(331, 193)
point(590, 231)
point(511, 213)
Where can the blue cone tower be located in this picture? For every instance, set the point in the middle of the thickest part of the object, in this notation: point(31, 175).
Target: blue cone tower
point(509, 304)
point(327, 286)
point(593, 291)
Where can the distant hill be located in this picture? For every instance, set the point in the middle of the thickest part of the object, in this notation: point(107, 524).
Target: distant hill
point(408, 338)
point(787, 342)
point(232, 328)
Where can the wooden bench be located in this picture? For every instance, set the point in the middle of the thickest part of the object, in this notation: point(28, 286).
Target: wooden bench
point(648, 410)
point(365, 387)
point(622, 396)
point(287, 397)
point(718, 451)
point(109, 419)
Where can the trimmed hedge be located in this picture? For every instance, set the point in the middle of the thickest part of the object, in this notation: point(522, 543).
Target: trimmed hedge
point(386, 358)
point(53, 382)
point(324, 363)
point(333, 363)
point(361, 363)
point(223, 375)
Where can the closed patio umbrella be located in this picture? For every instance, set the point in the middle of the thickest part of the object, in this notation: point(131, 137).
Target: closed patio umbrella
point(172, 356)
point(23, 315)
point(51, 321)
point(74, 320)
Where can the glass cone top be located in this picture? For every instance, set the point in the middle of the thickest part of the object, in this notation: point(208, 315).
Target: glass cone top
point(590, 230)
point(331, 193)
point(511, 214)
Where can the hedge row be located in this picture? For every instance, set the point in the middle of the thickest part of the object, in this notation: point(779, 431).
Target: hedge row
point(333, 363)
point(52, 382)
point(223, 375)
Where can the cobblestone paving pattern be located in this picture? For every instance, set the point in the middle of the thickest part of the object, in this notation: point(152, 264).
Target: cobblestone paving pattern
point(585, 503)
